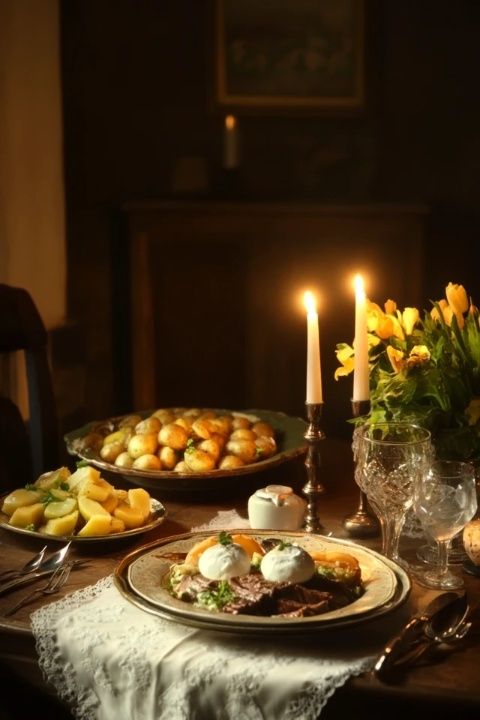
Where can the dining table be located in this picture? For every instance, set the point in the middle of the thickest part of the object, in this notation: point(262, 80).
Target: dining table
point(446, 685)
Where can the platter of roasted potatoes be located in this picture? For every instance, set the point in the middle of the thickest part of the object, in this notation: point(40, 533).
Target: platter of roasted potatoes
point(177, 448)
point(81, 506)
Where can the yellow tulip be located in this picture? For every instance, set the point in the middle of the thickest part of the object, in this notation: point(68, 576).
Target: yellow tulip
point(447, 312)
point(373, 340)
point(390, 307)
point(374, 314)
point(396, 358)
point(410, 317)
point(345, 355)
point(388, 327)
point(345, 369)
point(457, 298)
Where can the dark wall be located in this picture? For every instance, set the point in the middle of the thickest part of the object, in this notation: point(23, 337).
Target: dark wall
point(137, 81)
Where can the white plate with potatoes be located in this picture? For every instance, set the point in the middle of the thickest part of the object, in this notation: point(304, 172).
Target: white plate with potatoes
point(186, 448)
point(81, 506)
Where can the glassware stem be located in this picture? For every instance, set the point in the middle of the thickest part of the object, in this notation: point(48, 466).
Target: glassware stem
point(443, 546)
point(391, 529)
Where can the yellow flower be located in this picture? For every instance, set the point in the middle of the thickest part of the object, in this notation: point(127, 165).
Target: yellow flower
point(457, 298)
point(424, 365)
point(410, 317)
point(389, 327)
point(419, 355)
point(384, 325)
point(447, 312)
point(390, 307)
point(374, 313)
point(448, 315)
point(457, 301)
point(396, 358)
point(346, 356)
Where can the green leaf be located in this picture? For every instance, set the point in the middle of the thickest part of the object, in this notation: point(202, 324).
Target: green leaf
point(225, 538)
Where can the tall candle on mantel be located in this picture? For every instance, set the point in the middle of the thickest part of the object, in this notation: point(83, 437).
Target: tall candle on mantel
point(314, 372)
point(230, 143)
point(361, 390)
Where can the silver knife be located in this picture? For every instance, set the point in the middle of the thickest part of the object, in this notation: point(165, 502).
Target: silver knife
point(24, 580)
point(411, 640)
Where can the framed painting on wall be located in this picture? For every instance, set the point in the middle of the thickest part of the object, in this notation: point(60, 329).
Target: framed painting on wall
point(290, 54)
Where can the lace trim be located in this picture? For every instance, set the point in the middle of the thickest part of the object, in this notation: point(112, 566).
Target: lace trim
point(63, 677)
point(224, 519)
point(111, 661)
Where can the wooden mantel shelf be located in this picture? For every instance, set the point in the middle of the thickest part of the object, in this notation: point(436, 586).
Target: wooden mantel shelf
point(215, 316)
point(210, 207)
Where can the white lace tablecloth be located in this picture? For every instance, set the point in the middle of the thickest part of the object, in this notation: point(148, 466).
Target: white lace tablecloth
point(112, 661)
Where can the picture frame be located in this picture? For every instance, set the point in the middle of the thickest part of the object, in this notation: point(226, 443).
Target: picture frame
point(274, 55)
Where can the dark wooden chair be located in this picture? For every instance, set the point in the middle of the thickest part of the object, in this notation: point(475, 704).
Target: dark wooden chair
point(26, 449)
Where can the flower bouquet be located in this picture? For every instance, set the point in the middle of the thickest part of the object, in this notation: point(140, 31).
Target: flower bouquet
point(425, 368)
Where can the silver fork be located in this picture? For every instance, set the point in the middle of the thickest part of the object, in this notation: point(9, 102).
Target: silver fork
point(56, 581)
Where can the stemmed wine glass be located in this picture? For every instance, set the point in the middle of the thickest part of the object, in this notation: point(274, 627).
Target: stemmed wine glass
point(389, 458)
point(445, 499)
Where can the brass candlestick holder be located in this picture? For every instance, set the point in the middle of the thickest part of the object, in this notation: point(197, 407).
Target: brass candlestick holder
point(313, 488)
point(362, 523)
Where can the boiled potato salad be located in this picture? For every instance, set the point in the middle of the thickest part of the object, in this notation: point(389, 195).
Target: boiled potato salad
point(181, 440)
point(82, 503)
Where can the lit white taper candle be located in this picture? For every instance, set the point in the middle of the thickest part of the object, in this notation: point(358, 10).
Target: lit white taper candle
point(361, 390)
point(230, 142)
point(314, 371)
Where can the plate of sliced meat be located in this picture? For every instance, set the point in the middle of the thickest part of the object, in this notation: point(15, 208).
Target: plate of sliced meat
point(259, 581)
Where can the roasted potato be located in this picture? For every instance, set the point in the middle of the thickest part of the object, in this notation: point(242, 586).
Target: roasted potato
point(185, 440)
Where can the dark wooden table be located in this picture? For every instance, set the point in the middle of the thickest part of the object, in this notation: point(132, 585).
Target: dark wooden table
point(448, 688)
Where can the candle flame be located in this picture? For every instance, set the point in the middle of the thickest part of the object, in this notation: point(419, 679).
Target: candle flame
point(359, 285)
point(310, 302)
point(230, 122)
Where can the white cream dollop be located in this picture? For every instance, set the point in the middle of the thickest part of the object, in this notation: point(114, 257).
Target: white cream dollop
point(221, 562)
point(287, 563)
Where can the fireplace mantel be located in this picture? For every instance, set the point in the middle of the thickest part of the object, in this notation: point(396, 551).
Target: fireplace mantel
point(216, 316)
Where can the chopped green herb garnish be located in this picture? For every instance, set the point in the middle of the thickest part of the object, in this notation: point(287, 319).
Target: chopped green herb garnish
point(282, 545)
point(64, 486)
point(216, 599)
point(82, 463)
point(190, 445)
point(30, 526)
point(224, 538)
point(48, 498)
point(327, 572)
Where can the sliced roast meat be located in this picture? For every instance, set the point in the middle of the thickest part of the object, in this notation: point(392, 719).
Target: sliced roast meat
point(191, 585)
point(253, 595)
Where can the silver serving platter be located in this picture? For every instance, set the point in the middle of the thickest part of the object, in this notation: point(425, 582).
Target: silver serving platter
point(289, 433)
